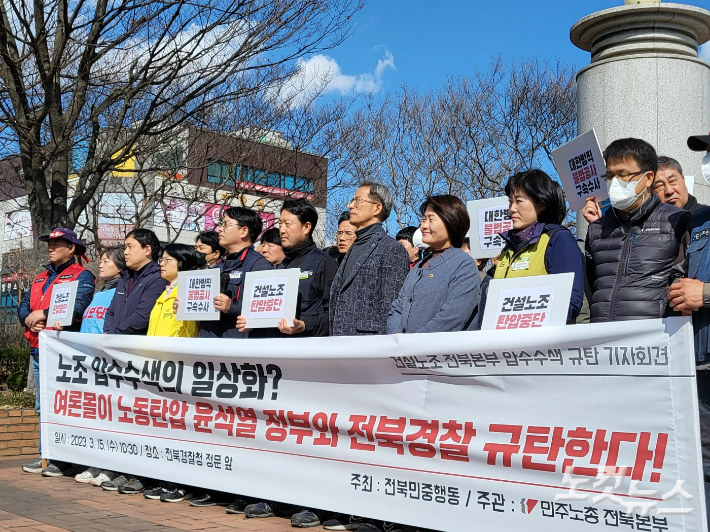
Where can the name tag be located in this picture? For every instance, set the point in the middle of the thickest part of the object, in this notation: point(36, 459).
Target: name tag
point(522, 265)
point(235, 275)
point(305, 275)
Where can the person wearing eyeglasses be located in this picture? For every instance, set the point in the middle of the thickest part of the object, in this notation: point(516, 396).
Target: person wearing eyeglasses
point(373, 270)
point(163, 321)
point(239, 229)
point(637, 248)
point(345, 236)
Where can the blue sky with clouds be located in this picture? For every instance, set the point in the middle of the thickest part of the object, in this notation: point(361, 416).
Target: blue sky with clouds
point(421, 42)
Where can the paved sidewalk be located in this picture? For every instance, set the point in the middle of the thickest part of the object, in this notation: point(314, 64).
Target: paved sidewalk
point(35, 503)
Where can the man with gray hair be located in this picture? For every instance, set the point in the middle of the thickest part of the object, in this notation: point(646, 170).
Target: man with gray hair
point(373, 270)
point(669, 185)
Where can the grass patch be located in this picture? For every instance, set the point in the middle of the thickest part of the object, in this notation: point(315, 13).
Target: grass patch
point(17, 400)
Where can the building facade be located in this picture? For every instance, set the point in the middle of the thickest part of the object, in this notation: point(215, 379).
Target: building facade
point(177, 192)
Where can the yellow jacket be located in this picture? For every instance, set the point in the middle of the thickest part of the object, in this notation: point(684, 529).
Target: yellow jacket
point(163, 322)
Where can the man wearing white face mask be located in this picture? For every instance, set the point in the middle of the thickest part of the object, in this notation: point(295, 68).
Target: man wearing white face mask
point(636, 250)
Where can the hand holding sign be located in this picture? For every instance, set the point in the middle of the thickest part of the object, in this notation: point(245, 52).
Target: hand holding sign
point(489, 218)
point(297, 328)
point(580, 166)
point(61, 306)
point(242, 324)
point(592, 210)
point(270, 298)
point(198, 295)
point(528, 302)
point(222, 302)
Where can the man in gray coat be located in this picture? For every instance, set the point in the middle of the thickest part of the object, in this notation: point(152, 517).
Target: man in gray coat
point(373, 270)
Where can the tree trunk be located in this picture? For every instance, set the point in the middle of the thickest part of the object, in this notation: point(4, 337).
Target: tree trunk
point(31, 386)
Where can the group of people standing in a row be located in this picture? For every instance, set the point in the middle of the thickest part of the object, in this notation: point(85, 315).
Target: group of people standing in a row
point(369, 283)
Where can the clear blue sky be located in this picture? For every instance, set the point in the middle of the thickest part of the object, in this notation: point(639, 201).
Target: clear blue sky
point(432, 39)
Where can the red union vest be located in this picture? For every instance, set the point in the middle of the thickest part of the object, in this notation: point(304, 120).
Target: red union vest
point(40, 301)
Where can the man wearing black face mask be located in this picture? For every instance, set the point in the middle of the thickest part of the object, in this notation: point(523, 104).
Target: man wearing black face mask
point(637, 248)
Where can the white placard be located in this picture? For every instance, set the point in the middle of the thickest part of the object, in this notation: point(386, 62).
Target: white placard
point(528, 302)
point(61, 306)
point(690, 183)
point(580, 165)
point(489, 218)
point(270, 296)
point(196, 293)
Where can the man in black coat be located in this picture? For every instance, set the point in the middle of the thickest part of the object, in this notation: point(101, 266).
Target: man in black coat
point(637, 248)
point(139, 288)
point(238, 231)
point(296, 225)
point(372, 272)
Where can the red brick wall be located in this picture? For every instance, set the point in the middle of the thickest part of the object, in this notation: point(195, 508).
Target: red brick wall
point(19, 432)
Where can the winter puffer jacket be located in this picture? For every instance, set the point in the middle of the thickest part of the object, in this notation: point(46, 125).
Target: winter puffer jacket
point(632, 258)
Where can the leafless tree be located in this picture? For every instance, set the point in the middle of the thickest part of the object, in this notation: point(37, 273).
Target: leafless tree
point(465, 139)
point(87, 85)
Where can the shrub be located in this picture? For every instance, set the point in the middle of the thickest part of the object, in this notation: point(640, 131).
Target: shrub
point(14, 363)
point(17, 400)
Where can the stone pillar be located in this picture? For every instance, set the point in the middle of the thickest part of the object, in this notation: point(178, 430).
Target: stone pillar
point(645, 80)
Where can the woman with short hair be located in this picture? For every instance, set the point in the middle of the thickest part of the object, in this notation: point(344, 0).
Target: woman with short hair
point(441, 292)
point(163, 322)
point(538, 244)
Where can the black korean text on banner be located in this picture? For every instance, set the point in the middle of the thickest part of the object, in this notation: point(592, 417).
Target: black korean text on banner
point(580, 166)
point(387, 422)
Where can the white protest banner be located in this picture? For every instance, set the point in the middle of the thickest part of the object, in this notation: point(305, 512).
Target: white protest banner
point(489, 218)
point(196, 291)
point(439, 431)
point(580, 166)
point(61, 306)
point(270, 296)
point(525, 302)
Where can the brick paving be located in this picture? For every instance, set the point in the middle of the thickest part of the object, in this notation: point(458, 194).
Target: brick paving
point(33, 503)
point(30, 503)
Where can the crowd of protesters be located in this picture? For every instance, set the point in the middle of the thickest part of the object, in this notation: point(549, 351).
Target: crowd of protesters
point(646, 256)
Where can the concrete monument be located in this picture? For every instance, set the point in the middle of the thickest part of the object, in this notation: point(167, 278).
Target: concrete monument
point(645, 79)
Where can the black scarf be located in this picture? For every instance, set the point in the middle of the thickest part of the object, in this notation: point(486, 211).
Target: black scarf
point(301, 249)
